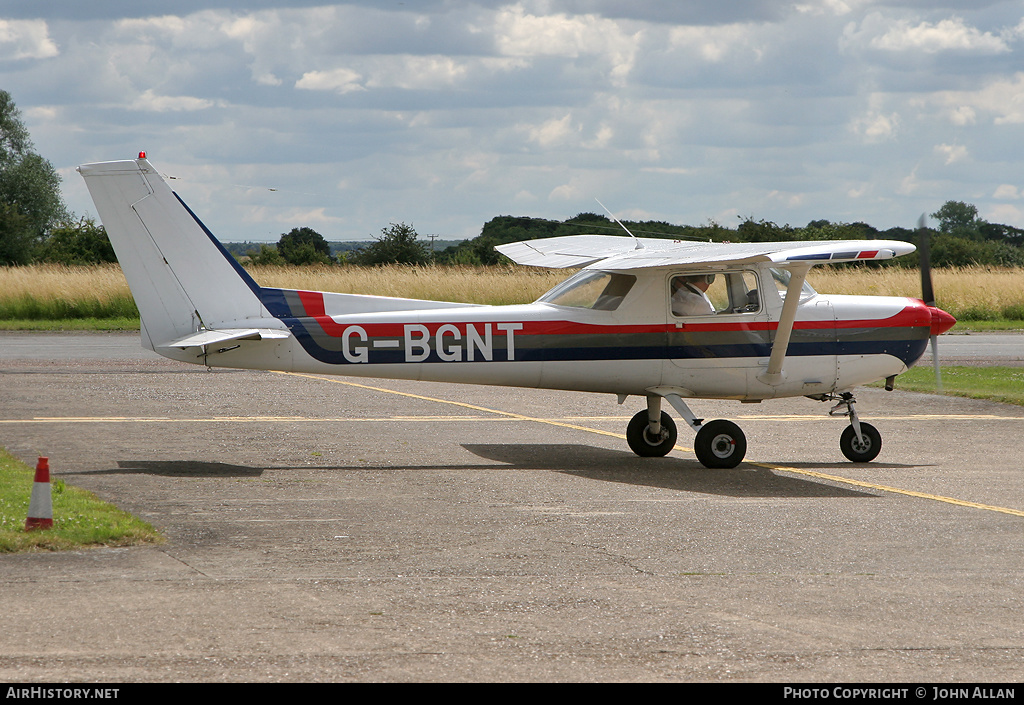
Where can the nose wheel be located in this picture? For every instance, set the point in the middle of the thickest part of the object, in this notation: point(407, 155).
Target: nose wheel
point(860, 441)
point(863, 449)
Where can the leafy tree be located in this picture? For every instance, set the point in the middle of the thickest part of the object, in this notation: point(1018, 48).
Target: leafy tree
point(959, 219)
point(397, 244)
point(83, 242)
point(1002, 233)
point(16, 240)
point(29, 189)
point(267, 254)
point(304, 246)
point(763, 231)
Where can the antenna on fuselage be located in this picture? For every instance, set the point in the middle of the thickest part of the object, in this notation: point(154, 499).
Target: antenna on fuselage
point(639, 245)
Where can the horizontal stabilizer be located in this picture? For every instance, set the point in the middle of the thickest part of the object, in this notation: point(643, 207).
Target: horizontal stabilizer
point(213, 337)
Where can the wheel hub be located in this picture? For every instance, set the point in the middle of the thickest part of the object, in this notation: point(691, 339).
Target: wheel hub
point(655, 438)
point(723, 445)
point(861, 445)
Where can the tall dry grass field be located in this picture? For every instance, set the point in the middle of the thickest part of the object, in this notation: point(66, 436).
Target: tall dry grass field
point(47, 292)
point(472, 285)
point(55, 291)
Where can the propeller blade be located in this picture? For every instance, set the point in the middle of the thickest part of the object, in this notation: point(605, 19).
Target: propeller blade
point(924, 251)
point(928, 291)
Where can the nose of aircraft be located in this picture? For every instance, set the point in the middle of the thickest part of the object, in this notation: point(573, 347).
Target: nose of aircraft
point(941, 321)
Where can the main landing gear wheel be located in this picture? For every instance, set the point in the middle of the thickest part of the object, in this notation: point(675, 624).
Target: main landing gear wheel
point(643, 442)
point(720, 444)
point(861, 451)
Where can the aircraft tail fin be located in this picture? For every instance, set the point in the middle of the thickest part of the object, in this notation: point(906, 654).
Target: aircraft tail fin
point(182, 278)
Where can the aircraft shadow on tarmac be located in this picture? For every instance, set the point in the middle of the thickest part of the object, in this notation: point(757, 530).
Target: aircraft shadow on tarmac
point(180, 468)
point(601, 464)
point(672, 473)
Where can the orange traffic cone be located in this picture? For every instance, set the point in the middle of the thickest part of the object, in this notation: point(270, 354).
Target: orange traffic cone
point(40, 507)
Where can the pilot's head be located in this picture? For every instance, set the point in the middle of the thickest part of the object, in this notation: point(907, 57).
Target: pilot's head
point(701, 281)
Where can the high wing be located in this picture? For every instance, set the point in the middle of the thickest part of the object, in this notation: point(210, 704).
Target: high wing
point(616, 252)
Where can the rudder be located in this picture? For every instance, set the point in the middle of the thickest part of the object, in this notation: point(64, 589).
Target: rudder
point(181, 277)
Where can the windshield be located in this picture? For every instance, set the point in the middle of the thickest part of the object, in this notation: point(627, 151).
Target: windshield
point(601, 291)
point(782, 277)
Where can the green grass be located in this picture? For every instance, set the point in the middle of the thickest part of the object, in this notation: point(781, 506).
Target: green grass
point(35, 308)
point(1005, 384)
point(98, 324)
point(80, 519)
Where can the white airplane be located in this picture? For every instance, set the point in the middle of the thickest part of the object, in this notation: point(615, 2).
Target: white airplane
point(616, 327)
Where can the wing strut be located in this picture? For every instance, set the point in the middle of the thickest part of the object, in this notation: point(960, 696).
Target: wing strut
point(774, 374)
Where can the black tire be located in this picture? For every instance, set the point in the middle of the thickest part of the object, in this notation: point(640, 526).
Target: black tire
point(720, 444)
point(642, 443)
point(861, 452)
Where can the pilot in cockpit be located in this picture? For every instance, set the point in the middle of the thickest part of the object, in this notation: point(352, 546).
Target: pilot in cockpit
point(689, 297)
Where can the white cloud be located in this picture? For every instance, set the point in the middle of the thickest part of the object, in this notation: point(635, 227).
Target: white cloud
point(340, 80)
point(166, 103)
point(951, 34)
point(821, 7)
point(791, 200)
point(963, 115)
point(859, 191)
point(164, 24)
point(575, 190)
point(876, 127)
point(910, 184)
point(419, 73)
point(1004, 213)
point(1002, 98)
point(520, 34)
point(26, 39)
point(715, 44)
point(315, 215)
point(1007, 192)
point(951, 153)
point(552, 132)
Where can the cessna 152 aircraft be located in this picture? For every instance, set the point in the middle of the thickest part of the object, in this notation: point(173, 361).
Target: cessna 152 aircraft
point(754, 330)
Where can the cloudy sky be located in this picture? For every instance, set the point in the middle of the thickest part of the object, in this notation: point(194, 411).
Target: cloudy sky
point(444, 113)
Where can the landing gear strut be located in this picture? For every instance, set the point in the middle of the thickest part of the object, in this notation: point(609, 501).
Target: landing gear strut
point(860, 442)
point(647, 442)
point(652, 433)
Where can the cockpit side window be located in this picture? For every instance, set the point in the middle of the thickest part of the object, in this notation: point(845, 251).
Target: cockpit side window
point(711, 293)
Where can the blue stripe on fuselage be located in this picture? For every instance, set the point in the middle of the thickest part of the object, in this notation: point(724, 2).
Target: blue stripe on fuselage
point(908, 351)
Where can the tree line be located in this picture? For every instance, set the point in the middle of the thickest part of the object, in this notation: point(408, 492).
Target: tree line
point(36, 226)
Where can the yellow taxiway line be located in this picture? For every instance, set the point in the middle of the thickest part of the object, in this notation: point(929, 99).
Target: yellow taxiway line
point(769, 466)
point(498, 415)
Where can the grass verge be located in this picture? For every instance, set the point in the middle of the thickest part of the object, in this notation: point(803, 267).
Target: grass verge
point(80, 519)
point(96, 324)
point(1004, 384)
